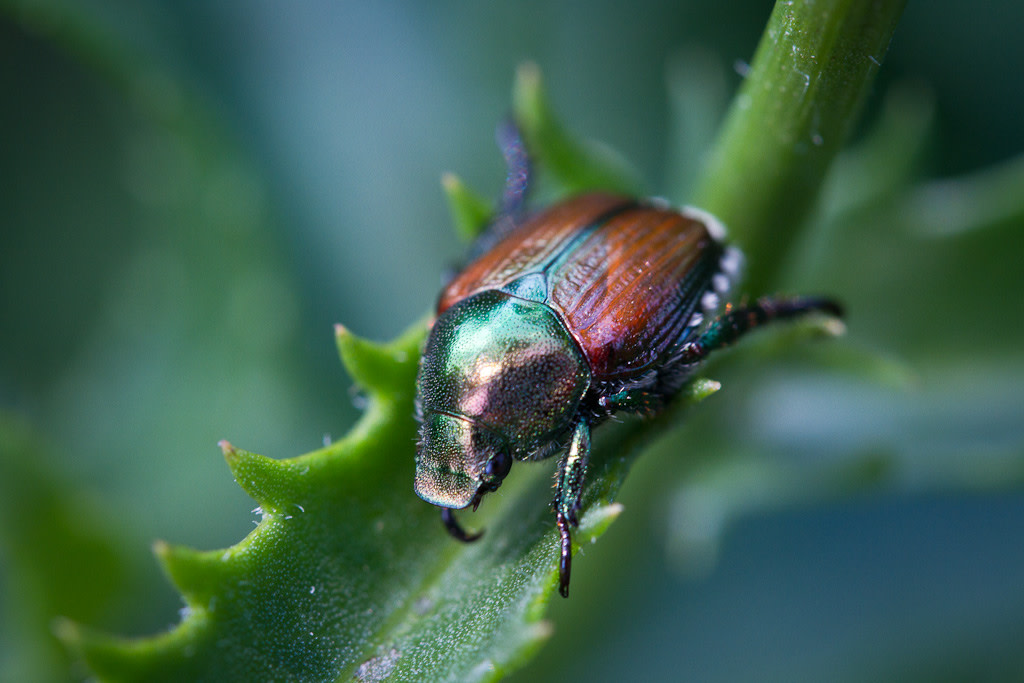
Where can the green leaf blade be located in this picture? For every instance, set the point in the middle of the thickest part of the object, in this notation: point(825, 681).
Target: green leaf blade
point(349, 574)
point(576, 165)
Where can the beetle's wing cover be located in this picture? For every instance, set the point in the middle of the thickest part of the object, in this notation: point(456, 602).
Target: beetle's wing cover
point(531, 248)
point(629, 290)
point(626, 278)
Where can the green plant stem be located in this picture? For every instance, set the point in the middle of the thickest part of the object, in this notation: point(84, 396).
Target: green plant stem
point(811, 71)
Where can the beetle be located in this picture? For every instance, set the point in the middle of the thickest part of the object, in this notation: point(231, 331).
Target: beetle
point(600, 304)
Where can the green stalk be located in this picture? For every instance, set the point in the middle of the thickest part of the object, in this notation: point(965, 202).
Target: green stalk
point(811, 71)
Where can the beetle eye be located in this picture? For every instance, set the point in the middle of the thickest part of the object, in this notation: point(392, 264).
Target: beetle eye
point(497, 467)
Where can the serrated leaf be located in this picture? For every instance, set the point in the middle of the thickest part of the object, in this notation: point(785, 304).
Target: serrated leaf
point(470, 212)
point(349, 574)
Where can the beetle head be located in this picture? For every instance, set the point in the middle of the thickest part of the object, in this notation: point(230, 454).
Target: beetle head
point(459, 460)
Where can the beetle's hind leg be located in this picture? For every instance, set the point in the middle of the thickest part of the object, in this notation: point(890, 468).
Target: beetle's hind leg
point(518, 174)
point(648, 398)
point(568, 497)
point(512, 206)
point(736, 322)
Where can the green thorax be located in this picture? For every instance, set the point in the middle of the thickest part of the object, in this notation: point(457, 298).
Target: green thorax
point(507, 363)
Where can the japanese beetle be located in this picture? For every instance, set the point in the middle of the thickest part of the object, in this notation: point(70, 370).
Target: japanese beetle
point(598, 305)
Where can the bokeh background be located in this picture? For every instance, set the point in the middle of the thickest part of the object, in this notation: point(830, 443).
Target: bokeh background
point(192, 193)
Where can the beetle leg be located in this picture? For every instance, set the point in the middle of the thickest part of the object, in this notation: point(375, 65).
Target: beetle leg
point(455, 529)
point(568, 496)
point(720, 333)
point(517, 180)
point(638, 400)
point(513, 197)
point(571, 472)
point(738, 321)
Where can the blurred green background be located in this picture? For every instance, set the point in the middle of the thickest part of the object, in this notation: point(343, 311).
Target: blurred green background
point(192, 193)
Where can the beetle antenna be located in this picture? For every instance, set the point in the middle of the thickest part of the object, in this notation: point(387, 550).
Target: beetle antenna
point(455, 529)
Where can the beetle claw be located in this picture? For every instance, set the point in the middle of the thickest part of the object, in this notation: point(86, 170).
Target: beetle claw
point(455, 529)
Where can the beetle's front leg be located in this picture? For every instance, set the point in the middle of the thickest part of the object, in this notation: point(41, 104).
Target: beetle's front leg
point(568, 496)
point(455, 529)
